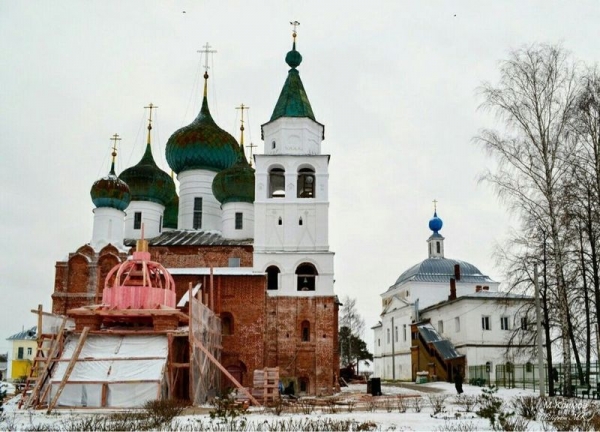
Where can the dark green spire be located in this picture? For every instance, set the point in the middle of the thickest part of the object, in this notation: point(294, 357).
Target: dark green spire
point(293, 101)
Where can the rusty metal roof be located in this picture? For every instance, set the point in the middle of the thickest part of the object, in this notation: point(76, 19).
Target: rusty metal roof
point(192, 238)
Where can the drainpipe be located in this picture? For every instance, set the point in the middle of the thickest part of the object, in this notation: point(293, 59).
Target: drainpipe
point(393, 353)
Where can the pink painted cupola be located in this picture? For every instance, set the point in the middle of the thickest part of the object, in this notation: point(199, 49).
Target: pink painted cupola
point(139, 283)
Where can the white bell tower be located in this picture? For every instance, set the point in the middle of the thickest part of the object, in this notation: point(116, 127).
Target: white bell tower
point(291, 234)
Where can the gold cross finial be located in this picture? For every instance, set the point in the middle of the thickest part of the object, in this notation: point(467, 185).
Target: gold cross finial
point(114, 139)
point(207, 50)
point(294, 24)
point(251, 146)
point(150, 107)
point(435, 205)
point(242, 107)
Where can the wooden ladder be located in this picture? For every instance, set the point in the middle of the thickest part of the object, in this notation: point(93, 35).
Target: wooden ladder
point(43, 364)
point(48, 347)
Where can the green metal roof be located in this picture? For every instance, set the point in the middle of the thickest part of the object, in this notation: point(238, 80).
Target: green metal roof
point(293, 101)
point(147, 182)
point(110, 191)
point(201, 145)
point(235, 184)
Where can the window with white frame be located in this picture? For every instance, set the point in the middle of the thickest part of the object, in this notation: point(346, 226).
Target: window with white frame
point(457, 324)
point(504, 323)
point(388, 336)
point(441, 327)
point(486, 323)
point(404, 330)
point(396, 333)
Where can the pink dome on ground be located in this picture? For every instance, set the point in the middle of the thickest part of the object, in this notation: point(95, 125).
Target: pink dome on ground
point(139, 283)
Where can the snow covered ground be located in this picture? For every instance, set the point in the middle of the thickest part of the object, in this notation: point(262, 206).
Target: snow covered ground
point(353, 404)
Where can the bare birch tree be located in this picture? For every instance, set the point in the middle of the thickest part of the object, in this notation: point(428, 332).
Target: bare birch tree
point(534, 100)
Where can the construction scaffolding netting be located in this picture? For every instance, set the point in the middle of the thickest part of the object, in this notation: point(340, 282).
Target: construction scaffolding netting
point(111, 371)
point(205, 332)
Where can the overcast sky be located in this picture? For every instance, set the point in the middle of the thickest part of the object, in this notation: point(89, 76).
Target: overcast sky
point(394, 82)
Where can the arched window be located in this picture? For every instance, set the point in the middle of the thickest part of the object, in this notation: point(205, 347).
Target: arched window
point(306, 183)
point(306, 277)
point(226, 324)
point(305, 331)
point(300, 221)
point(273, 277)
point(277, 183)
point(438, 247)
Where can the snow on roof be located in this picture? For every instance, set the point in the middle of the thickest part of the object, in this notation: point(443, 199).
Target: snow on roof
point(30, 334)
point(217, 271)
point(482, 295)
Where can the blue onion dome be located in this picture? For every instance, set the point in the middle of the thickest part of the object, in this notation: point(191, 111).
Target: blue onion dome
point(148, 182)
point(201, 144)
point(110, 191)
point(235, 184)
point(171, 213)
point(435, 223)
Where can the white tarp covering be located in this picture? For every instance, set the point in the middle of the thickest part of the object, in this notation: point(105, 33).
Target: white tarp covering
point(129, 368)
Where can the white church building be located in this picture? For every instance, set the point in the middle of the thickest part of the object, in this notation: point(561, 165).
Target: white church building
point(443, 315)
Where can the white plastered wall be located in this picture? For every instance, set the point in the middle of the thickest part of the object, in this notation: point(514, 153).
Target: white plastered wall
point(198, 184)
point(108, 228)
point(228, 224)
point(152, 214)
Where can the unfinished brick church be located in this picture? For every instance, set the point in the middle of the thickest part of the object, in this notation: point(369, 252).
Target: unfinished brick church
point(249, 244)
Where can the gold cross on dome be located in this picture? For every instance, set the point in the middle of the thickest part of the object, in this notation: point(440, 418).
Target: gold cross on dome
point(207, 50)
point(294, 24)
point(114, 138)
point(251, 146)
point(150, 107)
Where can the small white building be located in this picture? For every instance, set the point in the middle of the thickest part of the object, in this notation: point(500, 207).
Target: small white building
point(443, 315)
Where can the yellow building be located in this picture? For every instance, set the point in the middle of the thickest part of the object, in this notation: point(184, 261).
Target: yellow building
point(24, 345)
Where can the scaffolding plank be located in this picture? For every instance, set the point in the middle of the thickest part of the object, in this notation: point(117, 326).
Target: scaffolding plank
point(70, 367)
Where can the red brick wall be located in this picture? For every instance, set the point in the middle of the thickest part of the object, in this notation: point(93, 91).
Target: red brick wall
point(200, 256)
point(244, 298)
point(267, 330)
point(316, 359)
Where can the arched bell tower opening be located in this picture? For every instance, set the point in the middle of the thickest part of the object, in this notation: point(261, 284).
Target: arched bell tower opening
point(306, 276)
point(277, 183)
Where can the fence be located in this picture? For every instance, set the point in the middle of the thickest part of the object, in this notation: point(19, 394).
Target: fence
point(527, 376)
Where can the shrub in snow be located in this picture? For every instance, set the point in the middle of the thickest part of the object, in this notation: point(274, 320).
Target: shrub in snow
point(437, 403)
point(401, 404)
point(466, 402)
point(526, 406)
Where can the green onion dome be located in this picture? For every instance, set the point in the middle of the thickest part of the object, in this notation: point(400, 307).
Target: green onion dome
point(148, 182)
point(110, 191)
point(201, 145)
point(235, 184)
point(171, 213)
